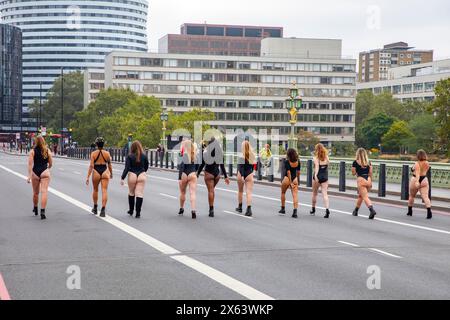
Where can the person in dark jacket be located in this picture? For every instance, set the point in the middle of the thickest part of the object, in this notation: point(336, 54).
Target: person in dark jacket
point(136, 167)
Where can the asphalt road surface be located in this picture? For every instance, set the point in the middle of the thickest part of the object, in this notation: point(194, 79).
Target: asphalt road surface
point(164, 256)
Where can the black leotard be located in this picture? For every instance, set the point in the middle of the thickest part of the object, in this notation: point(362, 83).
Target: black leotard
point(131, 165)
point(362, 172)
point(100, 168)
point(214, 168)
point(293, 170)
point(40, 164)
point(187, 167)
point(245, 168)
point(322, 175)
point(413, 170)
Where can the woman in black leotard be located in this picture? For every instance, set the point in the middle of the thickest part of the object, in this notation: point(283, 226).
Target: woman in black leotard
point(101, 170)
point(362, 169)
point(39, 163)
point(246, 169)
point(188, 176)
point(213, 164)
point(420, 183)
point(136, 167)
point(291, 181)
point(321, 163)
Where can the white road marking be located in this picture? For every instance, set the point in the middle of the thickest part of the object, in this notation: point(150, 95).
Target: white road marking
point(349, 244)
point(385, 253)
point(238, 215)
point(218, 276)
point(78, 173)
point(168, 196)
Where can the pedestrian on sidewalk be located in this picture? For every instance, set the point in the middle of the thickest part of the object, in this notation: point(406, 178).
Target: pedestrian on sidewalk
point(101, 170)
point(136, 167)
point(187, 176)
point(245, 177)
point(420, 183)
point(266, 158)
point(363, 170)
point(40, 162)
point(291, 181)
point(320, 179)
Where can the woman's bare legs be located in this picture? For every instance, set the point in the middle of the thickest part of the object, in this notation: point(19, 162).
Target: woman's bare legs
point(210, 182)
point(284, 187)
point(326, 199)
point(249, 189)
point(45, 182)
point(96, 178)
point(132, 182)
point(315, 193)
point(36, 184)
point(183, 185)
point(192, 182)
point(140, 185)
point(240, 182)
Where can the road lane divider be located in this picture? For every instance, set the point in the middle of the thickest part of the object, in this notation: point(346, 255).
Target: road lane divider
point(349, 244)
point(168, 196)
point(216, 275)
point(371, 249)
point(238, 215)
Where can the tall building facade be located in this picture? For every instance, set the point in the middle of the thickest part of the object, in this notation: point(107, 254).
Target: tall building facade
point(73, 35)
point(10, 78)
point(411, 83)
point(245, 92)
point(374, 65)
point(213, 39)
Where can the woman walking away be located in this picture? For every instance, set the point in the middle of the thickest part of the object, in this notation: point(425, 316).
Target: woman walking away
point(213, 164)
point(188, 176)
point(363, 170)
point(40, 162)
point(136, 167)
point(420, 183)
point(246, 168)
point(291, 181)
point(320, 180)
point(101, 171)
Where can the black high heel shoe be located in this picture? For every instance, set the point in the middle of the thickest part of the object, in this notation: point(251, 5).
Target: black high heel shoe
point(194, 215)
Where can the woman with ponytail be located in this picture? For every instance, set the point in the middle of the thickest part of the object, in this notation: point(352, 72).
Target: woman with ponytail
point(246, 168)
point(321, 163)
point(188, 176)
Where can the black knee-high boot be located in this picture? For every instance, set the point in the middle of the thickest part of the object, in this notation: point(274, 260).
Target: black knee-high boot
point(131, 204)
point(139, 202)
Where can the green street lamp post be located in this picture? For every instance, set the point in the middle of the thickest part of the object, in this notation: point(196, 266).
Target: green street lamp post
point(293, 104)
point(164, 118)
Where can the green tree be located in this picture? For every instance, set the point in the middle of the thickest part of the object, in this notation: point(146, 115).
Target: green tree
point(343, 149)
point(307, 142)
point(386, 103)
point(372, 130)
point(364, 105)
point(414, 108)
point(187, 120)
point(73, 101)
point(441, 108)
point(423, 127)
point(396, 139)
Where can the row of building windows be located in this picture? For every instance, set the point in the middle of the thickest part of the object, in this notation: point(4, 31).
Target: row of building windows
point(276, 117)
point(87, 30)
point(233, 31)
point(219, 77)
point(69, 14)
point(406, 88)
point(209, 64)
point(53, 37)
point(64, 60)
point(133, 3)
point(81, 45)
point(330, 131)
point(232, 91)
point(88, 7)
point(96, 22)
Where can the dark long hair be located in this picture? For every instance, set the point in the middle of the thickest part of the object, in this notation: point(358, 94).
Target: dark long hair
point(137, 150)
point(292, 155)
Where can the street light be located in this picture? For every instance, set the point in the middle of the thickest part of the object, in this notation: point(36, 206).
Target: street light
point(293, 104)
point(164, 117)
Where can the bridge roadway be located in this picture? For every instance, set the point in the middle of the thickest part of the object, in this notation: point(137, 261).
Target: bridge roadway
point(164, 256)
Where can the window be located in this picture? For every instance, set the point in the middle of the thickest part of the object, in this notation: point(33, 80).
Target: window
point(418, 87)
point(407, 88)
point(215, 31)
point(272, 33)
point(244, 65)
point(198, 31)
point(429, 86)
point(235, 32)
point(254, 33)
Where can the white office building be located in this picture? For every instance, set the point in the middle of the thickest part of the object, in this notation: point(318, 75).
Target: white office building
point(73, 35)
point(410, 83)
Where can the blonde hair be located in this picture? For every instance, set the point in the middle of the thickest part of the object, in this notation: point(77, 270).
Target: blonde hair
point(422, 155)
point(42, 145)
point(247, 151)
point(362, 157)
point(190, 149)
point(321, 152)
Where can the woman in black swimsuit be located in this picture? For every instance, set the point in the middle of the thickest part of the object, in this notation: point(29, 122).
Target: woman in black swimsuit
point(246, 168)
point(291, 181)
point(420, 183)
point(40, 162)
point(136, 167)
point(321, 163)
point(363, 170)
point(188, 176)
point(101, 171)
point(213, 164)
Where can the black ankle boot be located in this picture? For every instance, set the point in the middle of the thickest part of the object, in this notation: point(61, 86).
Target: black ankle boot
point(313, 211)
point(35, 210)
point(194, 214)
point(43, 217)
point(249, 212)
point(295, 215)
point(131, 200)
point(95, 210)
point(372, 213)
point(410, 212)
point(429, 214)
point(211, 212)
point(239, 208)
point(327, 215)
point(282, 211)
point(103, 212)
point(355, 212)
point(139, 202)
point(181, 212)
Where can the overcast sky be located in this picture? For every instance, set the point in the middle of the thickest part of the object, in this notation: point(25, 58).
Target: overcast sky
point(361, 24)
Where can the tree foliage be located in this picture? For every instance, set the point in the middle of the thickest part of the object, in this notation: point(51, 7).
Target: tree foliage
point(441, 108)
point(306, 142)
point(373, 129)
point(397, 137)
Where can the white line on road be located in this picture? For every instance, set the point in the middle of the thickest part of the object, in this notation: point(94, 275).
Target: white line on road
point(349, 244)
point(168, 196)
point(385, 253)
point(78, 173)
point(238, 215)
point(220, 277)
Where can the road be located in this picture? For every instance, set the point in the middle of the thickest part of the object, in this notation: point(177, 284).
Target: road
point(229, 257)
